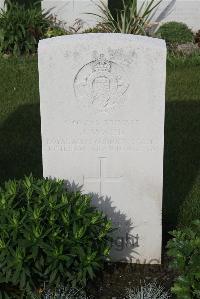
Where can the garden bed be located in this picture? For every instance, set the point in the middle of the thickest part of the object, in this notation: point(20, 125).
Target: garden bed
point(117, 278)
point(20, 147)
point(20, 153)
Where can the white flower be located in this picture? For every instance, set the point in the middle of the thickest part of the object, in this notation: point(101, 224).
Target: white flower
point(148, 291)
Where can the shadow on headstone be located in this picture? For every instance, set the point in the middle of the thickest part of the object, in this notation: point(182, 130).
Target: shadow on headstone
point(125, 245)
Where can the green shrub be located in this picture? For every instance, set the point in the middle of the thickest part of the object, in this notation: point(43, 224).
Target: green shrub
point(21, 29)
point(56, 28)
point(48, 234)
point(184, 248)
point(54, 31)
point(190, 208)
point(175, 33)
point(96, 29)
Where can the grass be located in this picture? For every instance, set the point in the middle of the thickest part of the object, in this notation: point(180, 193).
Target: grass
point(182, 141)
point(20, 146)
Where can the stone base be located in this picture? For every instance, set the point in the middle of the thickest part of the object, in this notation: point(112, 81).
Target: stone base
point(69, 11)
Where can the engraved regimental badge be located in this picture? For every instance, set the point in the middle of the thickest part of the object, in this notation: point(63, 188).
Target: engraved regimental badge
point(101, 85)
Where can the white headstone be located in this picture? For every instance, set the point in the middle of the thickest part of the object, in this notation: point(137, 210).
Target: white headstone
point(102, 113)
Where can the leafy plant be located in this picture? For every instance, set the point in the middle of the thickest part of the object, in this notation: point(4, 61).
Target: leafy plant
point(21, 28)
point(54, 31)
point(57, 27)
point(197, 38)
point(175, 33)
point(148, 291)
point(184, 248)
point(96, 29)
point(129, 19)
point(48, 233)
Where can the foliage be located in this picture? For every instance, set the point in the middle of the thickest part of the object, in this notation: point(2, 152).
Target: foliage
point(21, 29)
point(49, 234)
point(54, 31)
point(96, 29)
point(148, 291)
point(175, 33)
point(197, 38)
point(190, 208)
point(57, 27)
point(20, 128)
point(129, 19)
point(184, 248)
point(183, 60)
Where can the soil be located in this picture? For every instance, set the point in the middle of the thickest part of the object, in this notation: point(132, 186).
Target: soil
point(116, 278)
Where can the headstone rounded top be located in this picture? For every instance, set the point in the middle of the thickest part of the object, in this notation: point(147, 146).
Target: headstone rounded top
point(116, 37)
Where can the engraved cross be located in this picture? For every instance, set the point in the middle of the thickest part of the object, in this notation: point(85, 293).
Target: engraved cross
point(101, 179)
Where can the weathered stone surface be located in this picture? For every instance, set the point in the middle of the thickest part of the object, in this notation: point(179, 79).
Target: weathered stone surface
point(102, 113)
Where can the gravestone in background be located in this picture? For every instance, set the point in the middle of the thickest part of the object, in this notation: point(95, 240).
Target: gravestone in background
point(102, 113)
point(26, 3)
point(186, 11)
point(69, 11)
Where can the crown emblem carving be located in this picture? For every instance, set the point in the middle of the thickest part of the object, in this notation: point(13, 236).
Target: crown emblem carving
point(100, 85)
point(101, 64)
